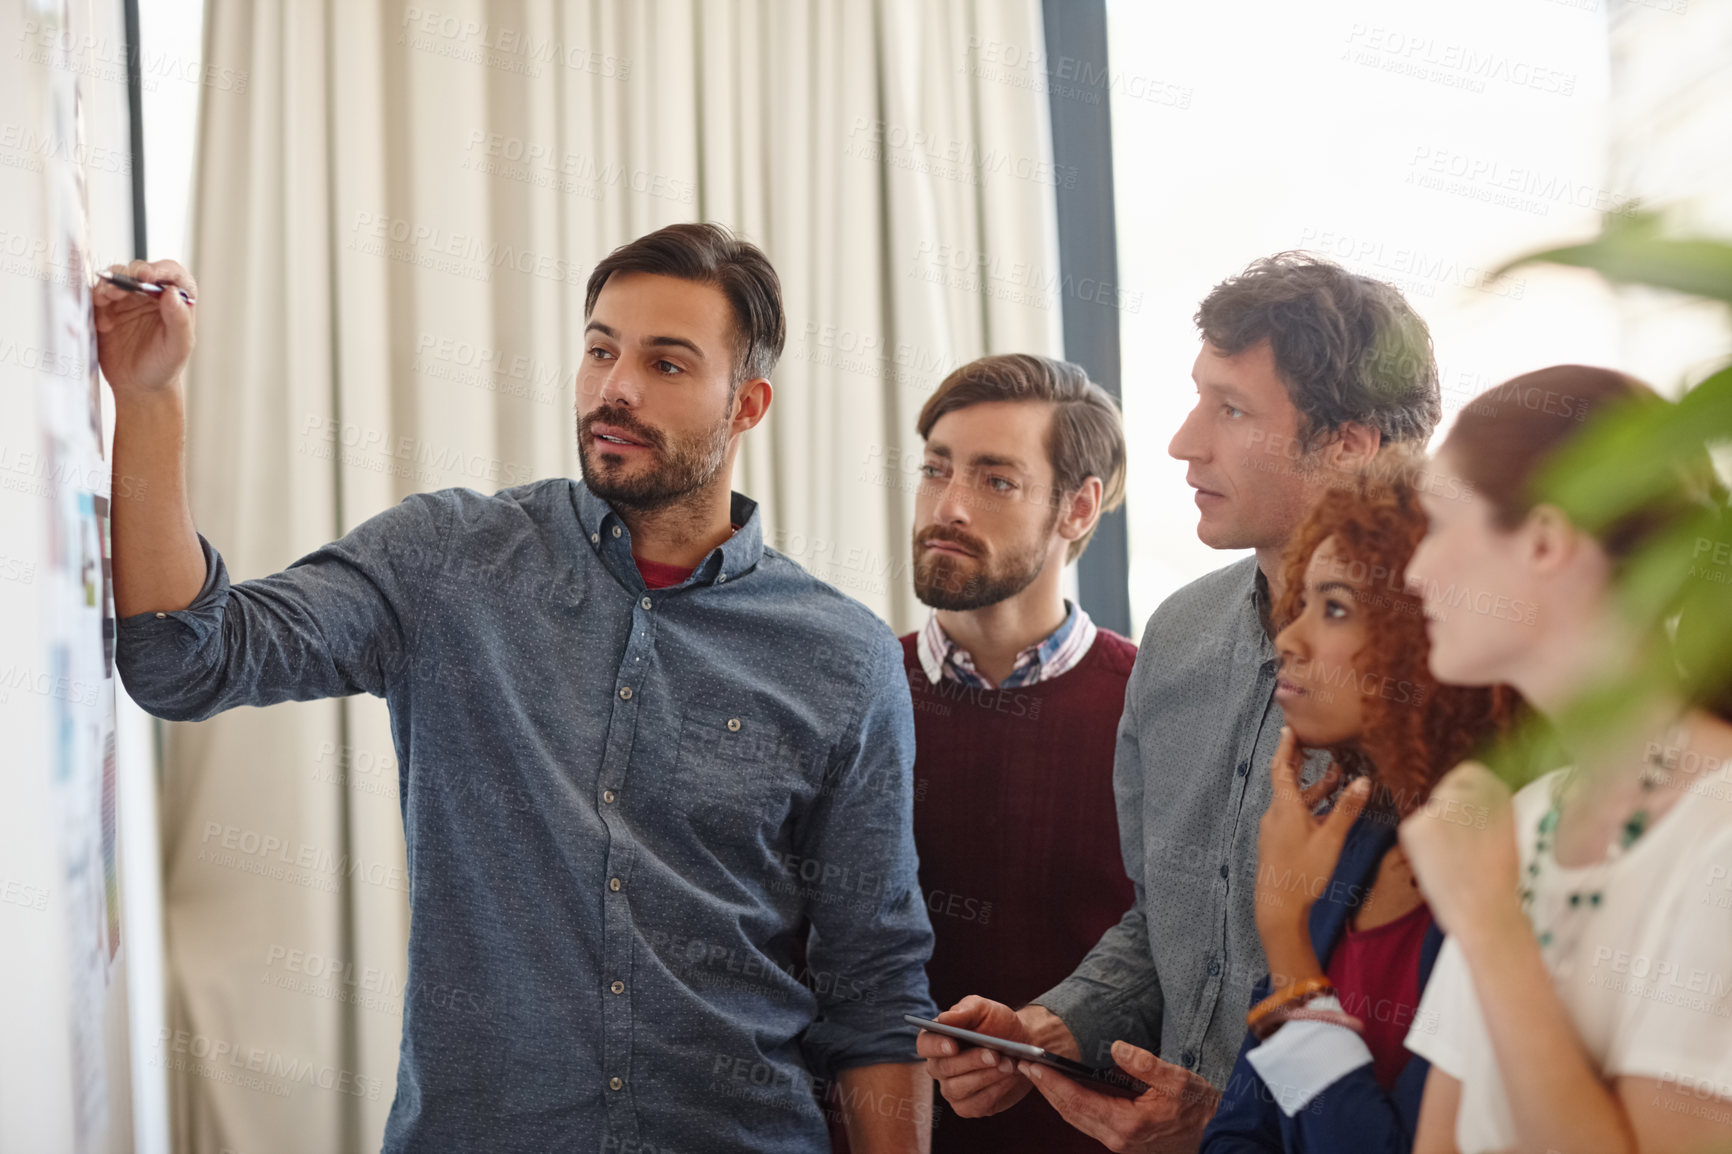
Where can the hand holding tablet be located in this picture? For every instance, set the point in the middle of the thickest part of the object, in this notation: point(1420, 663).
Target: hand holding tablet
point(1109, 1080)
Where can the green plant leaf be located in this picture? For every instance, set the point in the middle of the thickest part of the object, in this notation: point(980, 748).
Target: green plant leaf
point(1678, 589)
point(1629, 250)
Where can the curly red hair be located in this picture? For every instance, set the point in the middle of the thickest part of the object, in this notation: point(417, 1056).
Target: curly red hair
point(1376, 522)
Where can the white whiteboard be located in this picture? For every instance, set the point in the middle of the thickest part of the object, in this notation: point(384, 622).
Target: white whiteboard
point(66, 1056)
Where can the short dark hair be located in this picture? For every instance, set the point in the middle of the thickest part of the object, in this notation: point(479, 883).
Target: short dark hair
point(1087, 436)
point(1348, 348)
point(709, 254)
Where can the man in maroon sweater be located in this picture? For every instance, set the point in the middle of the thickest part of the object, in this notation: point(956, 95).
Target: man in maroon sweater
point(1017, 696)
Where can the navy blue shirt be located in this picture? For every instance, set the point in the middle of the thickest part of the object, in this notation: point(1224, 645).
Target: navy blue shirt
point(622, 806)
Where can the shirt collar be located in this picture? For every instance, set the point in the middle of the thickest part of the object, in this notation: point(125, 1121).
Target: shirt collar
point(1261, 607)
point(1059, 643)
point(607, 533)
point(1057, 653)
point(933, 645)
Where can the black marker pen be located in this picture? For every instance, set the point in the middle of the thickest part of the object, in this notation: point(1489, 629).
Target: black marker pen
point(132, 285)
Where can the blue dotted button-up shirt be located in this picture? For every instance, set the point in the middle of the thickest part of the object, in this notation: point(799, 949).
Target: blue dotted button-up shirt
point(625, 810)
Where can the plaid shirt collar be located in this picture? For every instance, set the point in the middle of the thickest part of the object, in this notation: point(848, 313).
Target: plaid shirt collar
point(942, 658)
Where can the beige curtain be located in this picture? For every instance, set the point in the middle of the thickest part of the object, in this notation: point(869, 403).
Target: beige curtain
point(395, 214)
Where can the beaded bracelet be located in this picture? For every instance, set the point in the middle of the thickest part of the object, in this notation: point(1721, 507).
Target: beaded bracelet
point(1301, 1013)
point(1298, 994)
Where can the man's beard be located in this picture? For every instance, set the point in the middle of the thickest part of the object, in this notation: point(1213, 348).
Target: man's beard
point(680, 469)
point(941, 581)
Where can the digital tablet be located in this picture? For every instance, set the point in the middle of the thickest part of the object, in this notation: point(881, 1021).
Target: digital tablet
point(1110, 1080)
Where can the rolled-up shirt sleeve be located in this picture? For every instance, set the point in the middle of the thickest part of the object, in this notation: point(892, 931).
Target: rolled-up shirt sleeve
point(870, 937)
point(336, 622)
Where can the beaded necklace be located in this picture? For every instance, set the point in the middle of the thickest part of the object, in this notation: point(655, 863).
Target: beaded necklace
point(1591, 893)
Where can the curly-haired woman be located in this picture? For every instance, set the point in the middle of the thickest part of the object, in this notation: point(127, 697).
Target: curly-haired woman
point(1349, 939)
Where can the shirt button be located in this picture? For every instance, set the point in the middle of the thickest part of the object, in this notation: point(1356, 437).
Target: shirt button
point(616, 533)
point(720, 577)
point(647, 603)
point(1187, 1059)
point(1214, 967)
point(1244, 768)
point(607, 796)
point(614, 1083)
point(733, 725)
point(618, 988)
point(595, 538)
point(160, 616)
point(613, 884)
point(1223, 869)
point(625, 695)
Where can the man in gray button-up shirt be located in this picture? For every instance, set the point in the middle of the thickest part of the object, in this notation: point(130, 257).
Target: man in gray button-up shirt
point(642, 753)
point(1305, 372)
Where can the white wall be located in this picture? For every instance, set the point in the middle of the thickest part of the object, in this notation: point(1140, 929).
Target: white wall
point(1671, 124)
point(1416, 142)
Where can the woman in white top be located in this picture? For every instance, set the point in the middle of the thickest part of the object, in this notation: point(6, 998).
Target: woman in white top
point(1583, 1000)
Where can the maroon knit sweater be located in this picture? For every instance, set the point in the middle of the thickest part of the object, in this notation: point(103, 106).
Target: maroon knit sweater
point(1019, 851)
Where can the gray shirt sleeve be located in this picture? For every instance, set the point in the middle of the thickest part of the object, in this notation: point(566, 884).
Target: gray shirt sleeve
point(1115, 991)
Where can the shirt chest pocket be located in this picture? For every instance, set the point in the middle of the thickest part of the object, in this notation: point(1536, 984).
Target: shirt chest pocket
point(737, 772)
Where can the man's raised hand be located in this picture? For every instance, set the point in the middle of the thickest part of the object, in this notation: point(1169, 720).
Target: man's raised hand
point(143, 340)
